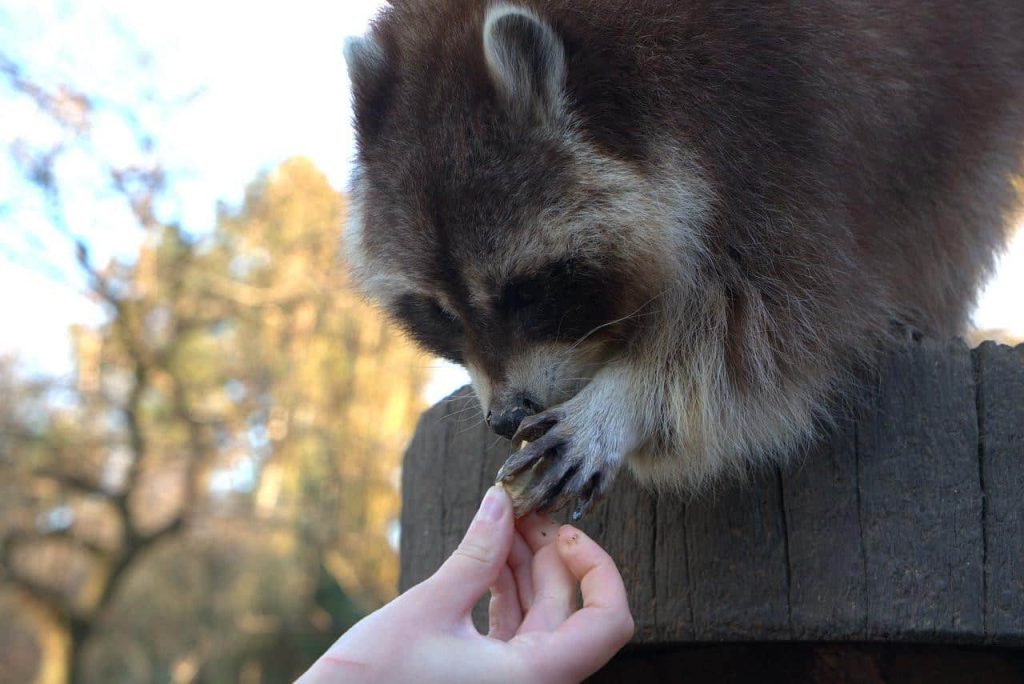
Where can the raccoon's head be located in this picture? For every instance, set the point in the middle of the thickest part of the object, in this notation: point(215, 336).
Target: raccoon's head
point(492, 214)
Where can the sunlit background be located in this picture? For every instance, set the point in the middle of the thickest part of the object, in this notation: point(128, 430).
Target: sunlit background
point(201, 426)
point(235, 92)
point(150, 143)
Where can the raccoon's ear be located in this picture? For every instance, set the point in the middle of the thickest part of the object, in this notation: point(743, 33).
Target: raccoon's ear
point(369, 70)
point(526, 61)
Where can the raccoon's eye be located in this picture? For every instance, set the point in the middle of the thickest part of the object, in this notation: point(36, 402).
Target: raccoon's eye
point(565, 301)
point(442, 313)
point(522, 294)
point(526, 293)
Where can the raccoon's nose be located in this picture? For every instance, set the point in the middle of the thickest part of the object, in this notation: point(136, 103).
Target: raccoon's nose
point(506, 422)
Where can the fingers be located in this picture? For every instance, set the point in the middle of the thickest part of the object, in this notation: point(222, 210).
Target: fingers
point(592, 635)
point(520, 561)
point(554, 587)
point(538, 530)
point(514, 582)
point(600, 581)
point(504, 611)
point(477, 562)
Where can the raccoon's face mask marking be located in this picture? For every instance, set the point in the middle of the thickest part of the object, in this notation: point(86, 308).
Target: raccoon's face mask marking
point(435, 328)
point(493, 233)
point(560, 303)
point(530, 341)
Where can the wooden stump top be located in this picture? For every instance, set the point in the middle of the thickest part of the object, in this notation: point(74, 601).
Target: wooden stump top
point(905, 524)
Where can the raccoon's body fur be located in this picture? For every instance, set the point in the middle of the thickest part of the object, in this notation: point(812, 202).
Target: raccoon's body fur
point(661, 232)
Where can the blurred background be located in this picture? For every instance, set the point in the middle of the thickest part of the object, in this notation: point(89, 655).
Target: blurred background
point(201, 426)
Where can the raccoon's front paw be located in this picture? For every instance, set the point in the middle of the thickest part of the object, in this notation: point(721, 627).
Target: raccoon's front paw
point(557, 463)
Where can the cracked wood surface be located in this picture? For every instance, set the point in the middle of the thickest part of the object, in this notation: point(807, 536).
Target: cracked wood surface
point(904, 523)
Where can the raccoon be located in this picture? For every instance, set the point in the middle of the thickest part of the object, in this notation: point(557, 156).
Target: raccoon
point(660, 234)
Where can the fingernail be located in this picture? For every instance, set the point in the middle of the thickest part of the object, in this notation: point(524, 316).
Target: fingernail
point(493, 505)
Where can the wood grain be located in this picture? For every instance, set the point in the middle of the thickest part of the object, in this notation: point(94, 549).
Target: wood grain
point(903, 523)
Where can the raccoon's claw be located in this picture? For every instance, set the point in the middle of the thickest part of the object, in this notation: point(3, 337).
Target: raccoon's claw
point(592, 493)
point(552, 471)
point(533, 427)
point(525, 458)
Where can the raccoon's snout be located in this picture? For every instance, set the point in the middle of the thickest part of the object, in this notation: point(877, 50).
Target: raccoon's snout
point(505, 420)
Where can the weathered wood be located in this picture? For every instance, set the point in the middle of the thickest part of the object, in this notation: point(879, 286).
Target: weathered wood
point(419, 549)
point(905, 523)
point(815, 663)
point(827, 590)
point(1000, 374)
point(920, 497)
point(673, 606)
point(736, 543)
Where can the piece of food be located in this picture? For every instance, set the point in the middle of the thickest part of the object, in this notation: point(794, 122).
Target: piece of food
point(519, 485)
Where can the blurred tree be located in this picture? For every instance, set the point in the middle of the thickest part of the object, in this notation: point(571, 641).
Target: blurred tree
point(212, 497)
point(325, 381)
point(238, 387)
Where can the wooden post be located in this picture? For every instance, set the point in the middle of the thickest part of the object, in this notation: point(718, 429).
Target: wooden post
point(905, 524)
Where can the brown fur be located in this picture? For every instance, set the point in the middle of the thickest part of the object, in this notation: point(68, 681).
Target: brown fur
point(756, 191)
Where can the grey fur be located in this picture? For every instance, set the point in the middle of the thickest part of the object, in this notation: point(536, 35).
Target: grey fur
point(754, 193)
point(526, 61)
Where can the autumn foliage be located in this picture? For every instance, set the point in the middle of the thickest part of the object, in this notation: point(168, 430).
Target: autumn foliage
point(213, 497)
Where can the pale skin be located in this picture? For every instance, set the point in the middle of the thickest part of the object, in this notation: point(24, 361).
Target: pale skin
point(537, 632)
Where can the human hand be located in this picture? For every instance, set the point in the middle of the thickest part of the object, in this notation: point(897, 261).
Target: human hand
point(536, 634)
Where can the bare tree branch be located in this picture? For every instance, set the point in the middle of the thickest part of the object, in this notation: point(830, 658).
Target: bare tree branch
point(74, 482)
point(39, 591)
point(252, 297)
point(66, 106)
point(24, 539)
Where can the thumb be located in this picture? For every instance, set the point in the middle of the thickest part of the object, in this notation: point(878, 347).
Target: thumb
point(475, 564)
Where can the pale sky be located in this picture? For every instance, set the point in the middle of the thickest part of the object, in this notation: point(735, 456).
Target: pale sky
point(273, 85)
